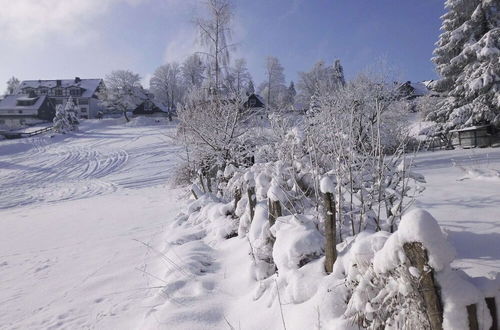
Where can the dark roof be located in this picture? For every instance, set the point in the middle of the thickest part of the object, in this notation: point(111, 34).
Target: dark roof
point(10, 102)
point(89, 85)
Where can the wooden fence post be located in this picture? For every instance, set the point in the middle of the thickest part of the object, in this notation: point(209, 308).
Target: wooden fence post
point(209, 184)
point(472, 317)
point(251, 201)
point(492, 306)
point(417, 256)
point(200, 177)
point(237, 198)
point(330, 232)
point(274, 211)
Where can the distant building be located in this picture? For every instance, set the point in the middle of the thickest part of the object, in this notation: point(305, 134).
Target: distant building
point(83, 92)
point(150, 107)
point(25, 109)
point(410, 91)
point(254, 101)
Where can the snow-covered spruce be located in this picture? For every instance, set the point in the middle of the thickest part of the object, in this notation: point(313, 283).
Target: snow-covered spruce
point(467, 58)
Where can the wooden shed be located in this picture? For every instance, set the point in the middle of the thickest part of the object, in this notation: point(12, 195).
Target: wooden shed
point(474, 137)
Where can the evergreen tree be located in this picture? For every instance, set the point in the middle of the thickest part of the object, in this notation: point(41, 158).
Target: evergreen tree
point(250, 88)
point(467, 58)
point(291, 93)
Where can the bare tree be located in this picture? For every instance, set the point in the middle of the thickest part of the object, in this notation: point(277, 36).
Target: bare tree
point(166, 84)
point(240, 77)
point(192, 71)
point(215, 35)
point(123, 91)
point(12, 85)
point(275, 79)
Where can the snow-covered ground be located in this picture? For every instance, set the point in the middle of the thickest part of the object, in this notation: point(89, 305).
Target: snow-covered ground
point(75, 211)
point(90, 237)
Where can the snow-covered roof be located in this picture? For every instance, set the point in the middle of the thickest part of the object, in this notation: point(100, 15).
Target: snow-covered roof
point(89, 85)
point(260, 98)
point(160, 105)
point(10, 103)
point(471, 128)
point(419, 89)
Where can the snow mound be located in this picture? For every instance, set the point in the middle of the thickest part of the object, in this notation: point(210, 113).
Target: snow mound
point(416, 226)
point(298, 241)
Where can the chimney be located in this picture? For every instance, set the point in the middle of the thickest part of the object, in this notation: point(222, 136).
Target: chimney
point(58, 83)
point(77, 80)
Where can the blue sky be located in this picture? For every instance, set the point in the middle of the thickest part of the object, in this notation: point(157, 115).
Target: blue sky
point(48, 39)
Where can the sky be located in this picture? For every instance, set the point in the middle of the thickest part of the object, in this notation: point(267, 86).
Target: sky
point(62, 39)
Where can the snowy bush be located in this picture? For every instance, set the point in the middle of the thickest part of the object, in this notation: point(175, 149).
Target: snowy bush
point(66, 119)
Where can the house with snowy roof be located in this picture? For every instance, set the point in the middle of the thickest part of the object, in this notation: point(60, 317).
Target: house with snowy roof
point(25, 109)
point(411, 90)
point(150, 107)
point(254, 101)
point(82, 91)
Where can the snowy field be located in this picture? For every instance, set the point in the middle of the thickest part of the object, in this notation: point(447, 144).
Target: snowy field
point(74, 210)
point(90, 237)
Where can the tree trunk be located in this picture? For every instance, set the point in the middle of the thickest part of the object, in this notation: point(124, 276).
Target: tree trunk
point(417, 256)
point(126, 117)
point(330, 232)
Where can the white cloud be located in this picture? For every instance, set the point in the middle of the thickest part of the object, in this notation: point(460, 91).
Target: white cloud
point(34, 21)
point(181, 45)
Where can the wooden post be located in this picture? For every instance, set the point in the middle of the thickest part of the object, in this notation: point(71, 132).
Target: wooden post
point(330, 232)
point(472, 316)
point(209, 184)
point(417, 257)
point(492, 306)
point(274, 211)
point(251, 201)
point(237, 198)
point(194, 194)
point(200, 177)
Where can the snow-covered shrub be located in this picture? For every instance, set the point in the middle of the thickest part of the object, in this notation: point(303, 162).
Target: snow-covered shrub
point(66, 119)
point(357, 134)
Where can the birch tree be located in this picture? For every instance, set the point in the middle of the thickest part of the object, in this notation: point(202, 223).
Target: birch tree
point(215, 35)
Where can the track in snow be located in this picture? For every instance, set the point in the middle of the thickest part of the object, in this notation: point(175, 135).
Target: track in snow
point(81, 165)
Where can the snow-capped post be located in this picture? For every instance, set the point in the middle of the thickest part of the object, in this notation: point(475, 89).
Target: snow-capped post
point(237, 198)
point(273, 196)
point(327, 188)
point(492, 306)
point(252, 201)
point(202, 184)
point(472, 317)
point(418, 258)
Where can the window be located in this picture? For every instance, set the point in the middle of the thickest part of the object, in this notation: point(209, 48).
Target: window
point(148, 106)
point(74, 92)
point(252, 102)
point(43, 91)
point(83, 109)
point(83, 101)
point(58, 92)
point(20, 111)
